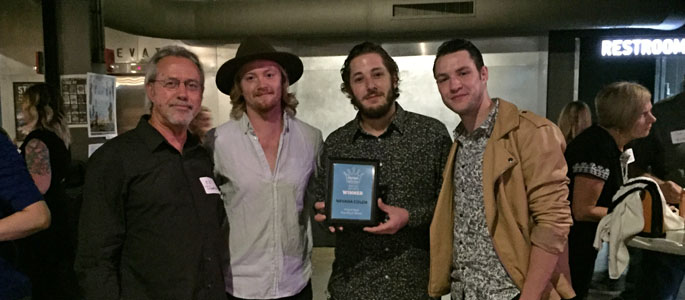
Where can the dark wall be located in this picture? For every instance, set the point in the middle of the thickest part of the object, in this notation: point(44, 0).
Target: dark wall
point(594, 70)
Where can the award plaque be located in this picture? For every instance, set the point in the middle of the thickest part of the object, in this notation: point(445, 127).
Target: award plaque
point(351, 197)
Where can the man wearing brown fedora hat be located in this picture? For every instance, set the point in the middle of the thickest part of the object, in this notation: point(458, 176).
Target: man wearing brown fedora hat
point(265, 157)
point(390, 260)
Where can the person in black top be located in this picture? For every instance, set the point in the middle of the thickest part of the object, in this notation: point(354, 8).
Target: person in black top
point(48, 257)
point(150, 225)
point(597, 167)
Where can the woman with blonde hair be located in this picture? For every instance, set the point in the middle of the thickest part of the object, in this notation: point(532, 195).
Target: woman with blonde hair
point(597, 167)
point(47, 257)
point(573, 119)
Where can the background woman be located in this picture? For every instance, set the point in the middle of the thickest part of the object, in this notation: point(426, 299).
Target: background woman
point(573, 119)
point(47, 257)
point(598, 166)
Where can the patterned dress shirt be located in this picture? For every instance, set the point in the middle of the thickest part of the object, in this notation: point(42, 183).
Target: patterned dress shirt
point(411, 154)
point(478, 273)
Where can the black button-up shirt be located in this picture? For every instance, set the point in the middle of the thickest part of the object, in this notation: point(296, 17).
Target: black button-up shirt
point(412, 154)
point(148, 228)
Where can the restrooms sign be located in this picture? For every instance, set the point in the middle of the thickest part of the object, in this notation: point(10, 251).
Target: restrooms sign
point(643, 47)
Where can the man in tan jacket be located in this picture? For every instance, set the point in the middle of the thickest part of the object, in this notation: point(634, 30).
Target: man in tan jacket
point(501, 223)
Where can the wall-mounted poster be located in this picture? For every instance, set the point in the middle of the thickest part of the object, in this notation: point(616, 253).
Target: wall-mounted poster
point(19, 89)
point(101, 105)
point(74, 99)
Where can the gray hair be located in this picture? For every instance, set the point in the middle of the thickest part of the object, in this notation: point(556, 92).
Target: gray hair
point(172, 50)
point(166, 51)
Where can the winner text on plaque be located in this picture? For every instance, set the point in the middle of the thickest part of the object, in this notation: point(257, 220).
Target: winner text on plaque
point(352, 192)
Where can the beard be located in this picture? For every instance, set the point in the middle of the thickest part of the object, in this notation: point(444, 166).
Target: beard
point(378, 111)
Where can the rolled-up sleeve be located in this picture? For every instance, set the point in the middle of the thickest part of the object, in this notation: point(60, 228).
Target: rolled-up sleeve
point(544, 169)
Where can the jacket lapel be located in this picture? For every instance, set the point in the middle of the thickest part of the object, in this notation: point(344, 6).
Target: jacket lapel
point(498, 158)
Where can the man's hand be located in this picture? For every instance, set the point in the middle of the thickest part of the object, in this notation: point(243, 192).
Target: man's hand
point(397, 218)
point(320, 208)
point(671, 191)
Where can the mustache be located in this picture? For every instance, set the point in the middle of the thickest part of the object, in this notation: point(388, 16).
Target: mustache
point(179, 103)
point(263, 91)
point(373, 94)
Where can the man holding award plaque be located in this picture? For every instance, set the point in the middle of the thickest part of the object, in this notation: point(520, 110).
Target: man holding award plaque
point(502, 219)
point(377, 184)
point(264, 157)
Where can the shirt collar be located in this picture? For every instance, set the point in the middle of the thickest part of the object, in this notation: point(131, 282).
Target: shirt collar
point(246, 127)
point(398, 123)
point(485, 128)
point(153, 139)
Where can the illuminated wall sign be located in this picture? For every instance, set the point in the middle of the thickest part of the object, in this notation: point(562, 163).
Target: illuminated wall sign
point(643, 47)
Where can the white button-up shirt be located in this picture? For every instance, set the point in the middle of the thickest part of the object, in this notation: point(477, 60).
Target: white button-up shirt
point(270, 237)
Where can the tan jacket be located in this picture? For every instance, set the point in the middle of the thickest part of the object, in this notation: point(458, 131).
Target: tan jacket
point(526, 201)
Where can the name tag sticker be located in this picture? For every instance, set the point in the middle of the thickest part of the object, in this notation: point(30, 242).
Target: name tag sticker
point(678, 136)
point(209, 185)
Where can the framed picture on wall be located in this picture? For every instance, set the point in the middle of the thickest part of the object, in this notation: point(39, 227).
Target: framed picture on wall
point(101, 105)
point(74, 99)
point(19, 88)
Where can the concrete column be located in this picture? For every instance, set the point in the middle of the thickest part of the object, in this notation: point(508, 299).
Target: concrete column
point(561, 72)
point(74, 44)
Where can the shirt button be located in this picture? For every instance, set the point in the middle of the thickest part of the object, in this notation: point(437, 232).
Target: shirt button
point(387, 249)
point(510, 160)
point(387, 277)
point(380, 164)
point(209, 285)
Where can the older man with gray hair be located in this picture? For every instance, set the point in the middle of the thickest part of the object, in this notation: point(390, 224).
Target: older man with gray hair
point(151, 219)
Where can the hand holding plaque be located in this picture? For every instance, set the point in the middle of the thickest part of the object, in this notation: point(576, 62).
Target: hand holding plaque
point(351, 197)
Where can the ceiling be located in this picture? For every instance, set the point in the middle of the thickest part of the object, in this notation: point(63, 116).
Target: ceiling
point(228, 21)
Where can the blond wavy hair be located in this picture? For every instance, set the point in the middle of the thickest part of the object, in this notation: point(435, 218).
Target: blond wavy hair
point(288, 100)
point(573, 119)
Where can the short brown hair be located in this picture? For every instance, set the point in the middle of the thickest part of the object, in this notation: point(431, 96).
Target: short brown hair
point(288, 101)
point(619, 104)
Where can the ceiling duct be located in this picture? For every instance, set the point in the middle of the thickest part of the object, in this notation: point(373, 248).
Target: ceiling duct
point(230, 21)
point(455, 8)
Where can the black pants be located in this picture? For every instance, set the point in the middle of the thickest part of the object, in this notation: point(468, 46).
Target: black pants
point(305, 294)
point(582, 256)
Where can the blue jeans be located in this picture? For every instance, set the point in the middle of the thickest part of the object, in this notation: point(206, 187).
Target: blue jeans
point(662, 275)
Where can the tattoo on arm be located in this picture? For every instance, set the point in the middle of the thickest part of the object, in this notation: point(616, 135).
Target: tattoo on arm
point(38, 158)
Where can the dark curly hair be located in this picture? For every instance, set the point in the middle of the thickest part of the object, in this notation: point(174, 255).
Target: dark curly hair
point(364, 48)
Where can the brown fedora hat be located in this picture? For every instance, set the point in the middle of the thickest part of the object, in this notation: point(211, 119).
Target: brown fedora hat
point(254, 48)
